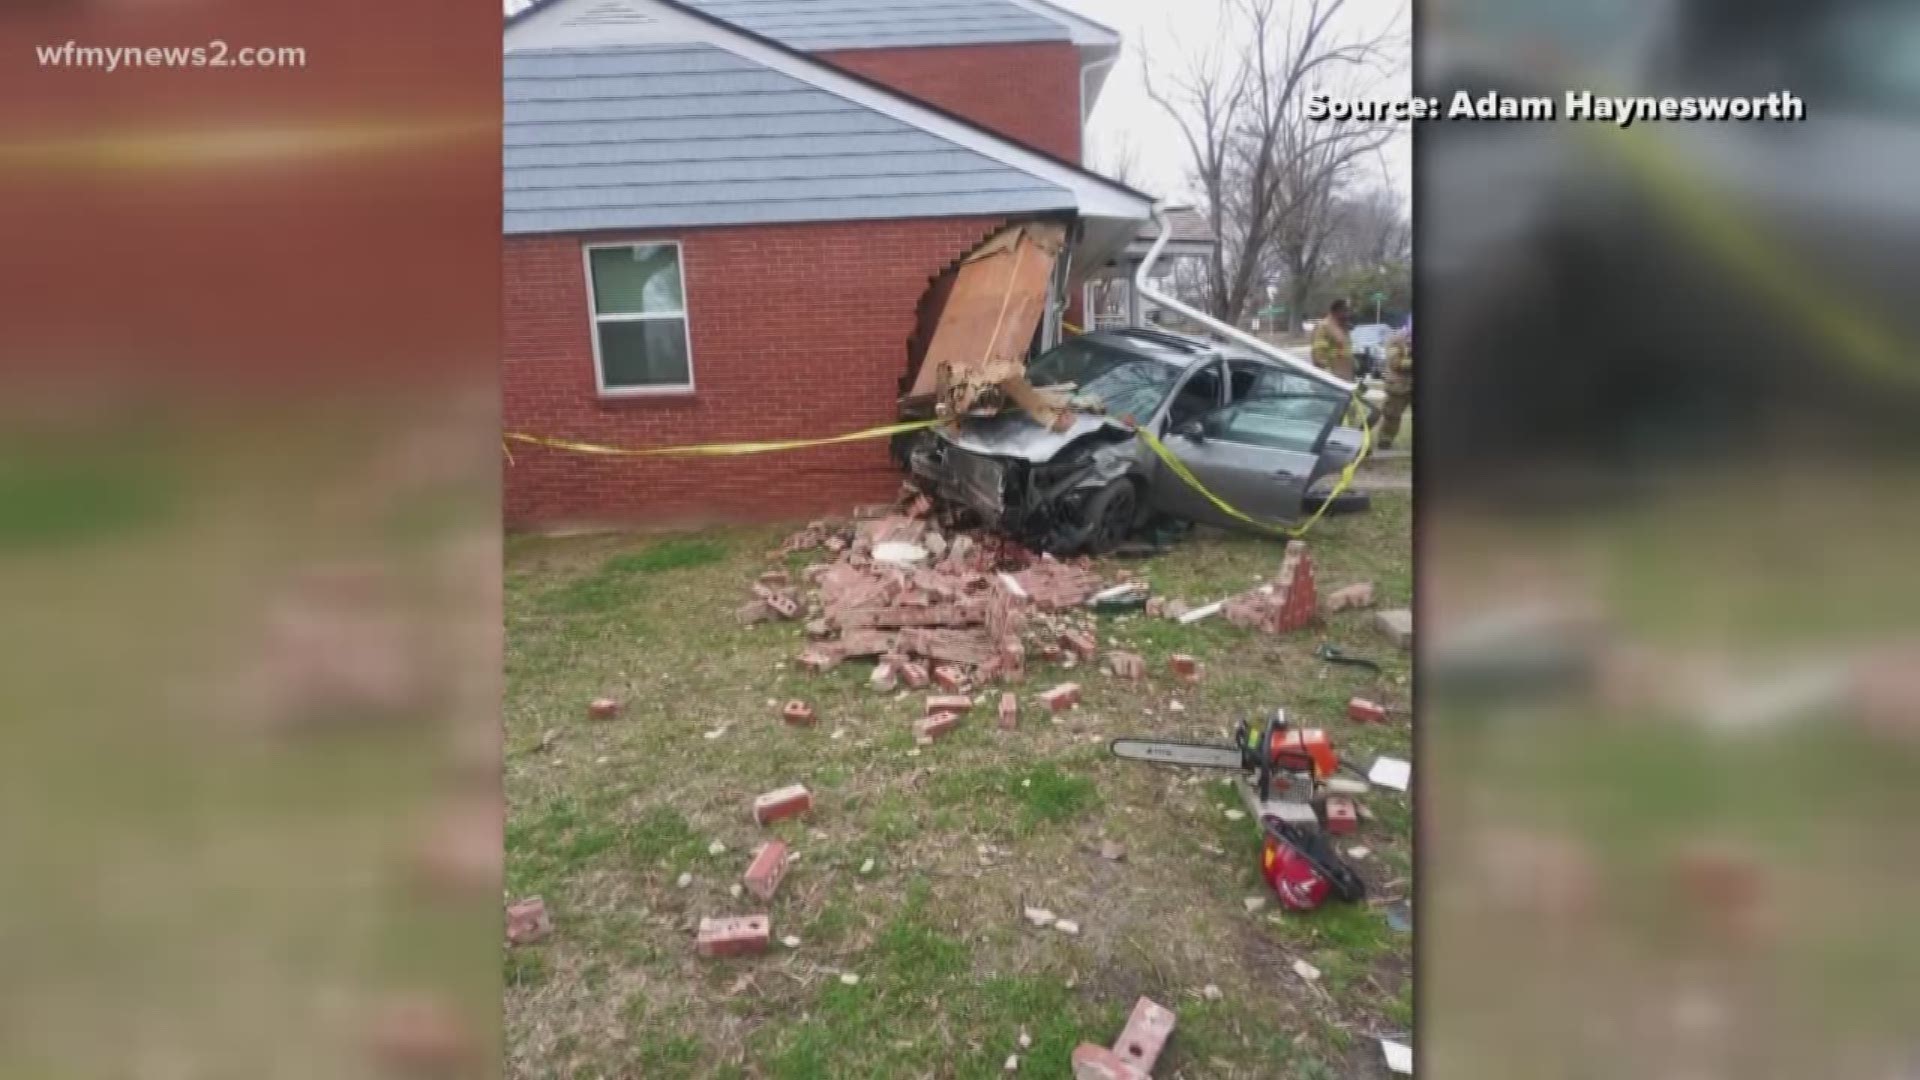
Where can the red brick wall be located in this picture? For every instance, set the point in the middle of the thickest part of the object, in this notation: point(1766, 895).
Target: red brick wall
point(798, 331)
point(1028, 91)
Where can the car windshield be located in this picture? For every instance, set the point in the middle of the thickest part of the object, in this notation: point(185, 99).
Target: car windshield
point(1127, 385)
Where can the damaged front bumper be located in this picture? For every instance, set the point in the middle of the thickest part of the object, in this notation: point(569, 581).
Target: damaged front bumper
point(1038, 503)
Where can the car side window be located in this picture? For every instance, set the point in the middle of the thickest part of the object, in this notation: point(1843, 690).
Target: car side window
point(1292, 421)
point(1198, 397)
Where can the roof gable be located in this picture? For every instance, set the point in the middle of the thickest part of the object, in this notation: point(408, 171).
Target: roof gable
point(622, 113)
point(872, 24)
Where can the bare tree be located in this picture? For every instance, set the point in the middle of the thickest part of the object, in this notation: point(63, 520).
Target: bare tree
point(1268, 175)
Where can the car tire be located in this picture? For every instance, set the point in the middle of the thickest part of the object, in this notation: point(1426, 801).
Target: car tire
point(1107, 518)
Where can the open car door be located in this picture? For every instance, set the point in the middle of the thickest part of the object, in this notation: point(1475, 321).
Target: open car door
point(1258, 455)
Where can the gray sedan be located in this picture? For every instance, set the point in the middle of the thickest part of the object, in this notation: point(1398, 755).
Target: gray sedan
point(1255, 432)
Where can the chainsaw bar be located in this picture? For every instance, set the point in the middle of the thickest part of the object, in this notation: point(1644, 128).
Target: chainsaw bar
point(1199, 755)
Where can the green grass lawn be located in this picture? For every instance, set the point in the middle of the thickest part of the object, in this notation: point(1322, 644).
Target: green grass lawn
point(606, 817)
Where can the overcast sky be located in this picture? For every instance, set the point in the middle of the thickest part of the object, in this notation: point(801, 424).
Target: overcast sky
point(1167, 31)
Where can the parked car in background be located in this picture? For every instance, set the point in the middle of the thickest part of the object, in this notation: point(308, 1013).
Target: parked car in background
point(1256, 433)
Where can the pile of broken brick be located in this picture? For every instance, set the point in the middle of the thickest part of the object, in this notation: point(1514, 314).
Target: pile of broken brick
point(958, 614)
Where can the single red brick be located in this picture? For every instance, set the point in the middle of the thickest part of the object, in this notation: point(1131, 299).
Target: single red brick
point(1342, 817)
point(1062, 697)
point(1080, 643)
point(935, 725)
point(797, 713)
point(915, 676)
point(953, 703)
point(950, 678)
point(1009, 711)
point(774, 579)
point(1092, 1062)
point(604, 708)
point(820, 659)
point(527, 921)
point(1145, 1035)
point(734, 937)
point(768, 867)
point(784, 606)
point(1186, 667)
point(1126, 665)
point(781, 804)
point(1363, 711)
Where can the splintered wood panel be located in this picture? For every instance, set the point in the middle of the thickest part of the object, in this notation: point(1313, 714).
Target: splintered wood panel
point(992, 310)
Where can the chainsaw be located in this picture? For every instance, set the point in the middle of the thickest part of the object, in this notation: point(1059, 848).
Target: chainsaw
point(1298, 863)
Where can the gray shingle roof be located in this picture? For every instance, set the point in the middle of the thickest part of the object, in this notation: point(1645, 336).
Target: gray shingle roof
point(691, 134)
point(868, 24)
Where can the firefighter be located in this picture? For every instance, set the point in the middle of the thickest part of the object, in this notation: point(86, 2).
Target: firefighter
point(1399, 386)
point(1332, 347)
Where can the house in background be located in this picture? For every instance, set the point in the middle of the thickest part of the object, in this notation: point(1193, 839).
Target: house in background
point(1111, 300)
point(723, 219)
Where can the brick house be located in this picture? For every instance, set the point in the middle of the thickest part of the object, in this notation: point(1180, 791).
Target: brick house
point(723, 219)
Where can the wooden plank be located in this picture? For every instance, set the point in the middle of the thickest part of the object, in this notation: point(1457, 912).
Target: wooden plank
point(992, 311)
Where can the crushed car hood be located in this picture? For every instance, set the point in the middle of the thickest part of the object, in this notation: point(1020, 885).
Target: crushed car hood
point(1015, 434)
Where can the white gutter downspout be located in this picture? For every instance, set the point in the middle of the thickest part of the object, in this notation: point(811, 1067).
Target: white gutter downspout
point(1140, 283)
point(1086, 107)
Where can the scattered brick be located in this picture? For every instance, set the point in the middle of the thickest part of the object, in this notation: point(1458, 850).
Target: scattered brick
point(820, 659)
point(784, 606)
point(953, 703)
point(950, 678)
point(768, 867)
point(1052, 653)
point(1186, 667)
point(1126, 665)
point(819, 629)
point(1009, 711)
point(603, 708)
point(797, 713)
point(1080, 643)
point(884, 678)
point(527, 921)
point(915, 676)
point(1284, 605)
point(1342, 817)
point(775, 579)
point(935, 725)
point(1092, 1062)
point(1362, 711)
point(734, 937)
point(1351, 597)
point(784, 803)
point(1062, 697)
point(1145, 1035)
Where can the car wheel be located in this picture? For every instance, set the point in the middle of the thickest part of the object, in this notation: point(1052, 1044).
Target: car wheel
point(1108, 517)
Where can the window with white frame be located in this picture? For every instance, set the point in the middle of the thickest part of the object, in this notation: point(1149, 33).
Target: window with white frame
point(639, 306)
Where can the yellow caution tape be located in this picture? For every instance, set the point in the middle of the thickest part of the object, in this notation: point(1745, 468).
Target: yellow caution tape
point(717, 449)
point(1070, 328)
point(1293, 532)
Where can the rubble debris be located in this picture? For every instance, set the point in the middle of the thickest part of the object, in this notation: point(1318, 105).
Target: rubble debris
point(1062, 697)
point(884, 679)
point(915, 675)
point(1056, 586)
point(1080, 643)
point(781, 804)
point(769, 865)
point(1284, 605)
point(603, 709)
point(1126, 596)
point(1112, 851)
point(1254, 903)
point(1211, 992)
point(1306, 971)
point(527, 921)
point(1126, 665)
point(989, 312)
point(1399, 1056)
point(848, 978)
point(1009, 711)
point(950, 678)
point(1137, 1049)
point(1391, 773)
point(686, 879)
point(1352, 597)
point(1362, 711)
point(948, 703)
point(1342, 817)
point(775, 579)
point(1186, 667)
point(1397, 624)
point(1052, 653)
point(1041, 918)
point(1067, 927)
point(733, 937)
point(797, 714)
point(931, 727)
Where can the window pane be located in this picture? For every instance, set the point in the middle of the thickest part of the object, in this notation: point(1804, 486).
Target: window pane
point(650, 352)
point(1292, 423)
point(630, 281)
